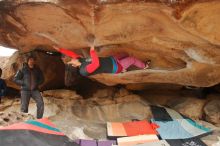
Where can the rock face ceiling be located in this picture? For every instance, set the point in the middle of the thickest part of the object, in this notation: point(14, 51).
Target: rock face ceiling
point(180, 37)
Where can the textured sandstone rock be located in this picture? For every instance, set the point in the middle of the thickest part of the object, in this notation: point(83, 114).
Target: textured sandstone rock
point(51, 66)
point(212, 111)
point(179, 37)
point(156, 99)
point(51, 107)
point(111, 95)
point(8, 118)
point(102, 93)
point(190, 107)
point(61, 94)
point(113, 112)
point(122, 92)
point(3, 61)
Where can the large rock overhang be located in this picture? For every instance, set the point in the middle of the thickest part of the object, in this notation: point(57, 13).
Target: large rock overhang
point(181, 38)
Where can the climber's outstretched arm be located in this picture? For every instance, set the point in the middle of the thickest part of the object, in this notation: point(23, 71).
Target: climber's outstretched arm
point(66, 52)
point(95, 61)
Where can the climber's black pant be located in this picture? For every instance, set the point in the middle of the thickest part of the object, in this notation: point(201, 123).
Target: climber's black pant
point(25, 99)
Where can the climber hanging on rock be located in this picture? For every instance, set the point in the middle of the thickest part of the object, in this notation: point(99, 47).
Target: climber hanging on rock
point(96, 65)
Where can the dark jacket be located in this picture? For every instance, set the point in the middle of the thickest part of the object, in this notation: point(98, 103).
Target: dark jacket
point(3, 88)
point(29, 79)
point(107, 65)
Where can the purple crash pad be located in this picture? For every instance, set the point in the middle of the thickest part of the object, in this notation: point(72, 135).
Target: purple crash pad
point(83, 142)
point(106, 143)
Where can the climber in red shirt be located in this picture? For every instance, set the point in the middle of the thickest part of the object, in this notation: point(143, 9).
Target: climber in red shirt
point(96, 65)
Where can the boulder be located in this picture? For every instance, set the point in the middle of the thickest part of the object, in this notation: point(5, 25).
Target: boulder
point(190, 107)
point(122, 92)
point(159, 94)
point(212, 111)
point(62, 94)
point(112, 112)
point(111, 95)
point(102, 93)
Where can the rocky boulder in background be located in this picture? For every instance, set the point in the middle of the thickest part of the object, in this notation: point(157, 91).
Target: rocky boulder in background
point(190, 107)
point(212, 111)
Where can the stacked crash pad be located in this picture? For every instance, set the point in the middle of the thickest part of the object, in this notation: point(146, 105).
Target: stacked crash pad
point(131, 133)
point(175, 129)
point(170, 127)
point(125, 129)
point(173, 125)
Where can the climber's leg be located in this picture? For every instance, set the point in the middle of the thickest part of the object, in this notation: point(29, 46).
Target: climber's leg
point(129, 61)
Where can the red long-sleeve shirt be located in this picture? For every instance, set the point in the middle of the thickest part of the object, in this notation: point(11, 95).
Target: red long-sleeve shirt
point(89, 68)
point(95, 62)
point(69, 53)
